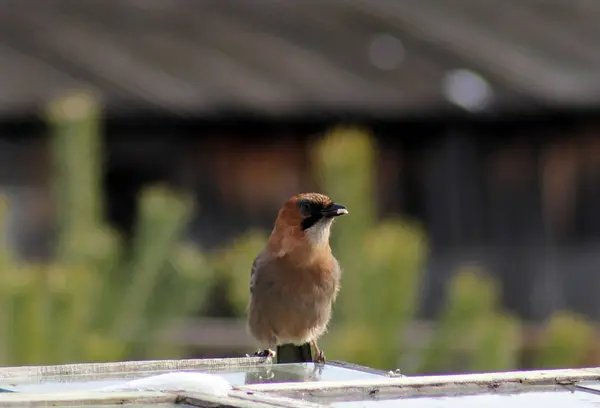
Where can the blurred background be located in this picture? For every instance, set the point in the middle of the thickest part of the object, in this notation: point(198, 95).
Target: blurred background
point(146, 146)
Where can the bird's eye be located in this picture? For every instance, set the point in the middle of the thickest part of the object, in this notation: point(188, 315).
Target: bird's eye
point(306, 207)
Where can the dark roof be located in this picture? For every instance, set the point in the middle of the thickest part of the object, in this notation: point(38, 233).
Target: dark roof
point(275, 56)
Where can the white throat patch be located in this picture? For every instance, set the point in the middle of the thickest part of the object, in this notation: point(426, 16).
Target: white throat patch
point(318, 234)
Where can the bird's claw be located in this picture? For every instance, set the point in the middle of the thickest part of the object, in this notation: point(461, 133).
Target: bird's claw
point(396, 373)
point(265, 353)
point(320, 358)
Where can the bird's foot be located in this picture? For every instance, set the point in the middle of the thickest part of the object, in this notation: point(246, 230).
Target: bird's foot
point(320, 357)
point(265, 353)
point(396, 373)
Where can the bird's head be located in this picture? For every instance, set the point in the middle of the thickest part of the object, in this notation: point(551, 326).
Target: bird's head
point(306, 219)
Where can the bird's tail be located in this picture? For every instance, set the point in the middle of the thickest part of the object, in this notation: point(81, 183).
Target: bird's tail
point(290, 353)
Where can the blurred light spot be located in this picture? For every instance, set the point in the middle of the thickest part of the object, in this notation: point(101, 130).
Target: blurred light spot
point(467, 89)
point(386, 52)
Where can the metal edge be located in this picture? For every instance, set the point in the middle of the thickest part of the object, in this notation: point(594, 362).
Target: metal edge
point(130, 375)
point(584, 388)
point(278, 400)
point(85, 398)
point(223, 402)
point(239, 399)
point(391, 394)
point(357, 367)
point(129, 367)
point(538, 377)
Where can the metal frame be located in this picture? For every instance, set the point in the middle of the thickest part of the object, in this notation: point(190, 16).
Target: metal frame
point(284, 395)
point(85, 398)
point(129, 367)
point(447, 382)
point(357, 367)
point(433, 386)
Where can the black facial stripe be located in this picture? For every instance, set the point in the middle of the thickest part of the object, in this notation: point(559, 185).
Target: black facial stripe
point(310, 221)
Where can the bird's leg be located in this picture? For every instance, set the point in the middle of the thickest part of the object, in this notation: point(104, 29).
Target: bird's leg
point(265, 353)
point(270, 352)
point(319, 355)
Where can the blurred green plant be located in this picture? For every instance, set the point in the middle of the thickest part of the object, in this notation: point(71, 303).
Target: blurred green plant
point(382, 265)
point(566, 341)
point(381, 261)
point(232, 264)
point(98, 302)
point(474, 326)
point(94, 302)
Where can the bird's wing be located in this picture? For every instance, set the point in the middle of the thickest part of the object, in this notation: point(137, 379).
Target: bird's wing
point(261, 269)
point(337, 272)
point(255, 265)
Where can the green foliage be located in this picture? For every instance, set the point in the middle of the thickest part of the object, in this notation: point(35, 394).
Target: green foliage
point(382, 263)
point(566, 341)
point(105, 299)
point(95, 302)
point(233, 265)
point(473, 334)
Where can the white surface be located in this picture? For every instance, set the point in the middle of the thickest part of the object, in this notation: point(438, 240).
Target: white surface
point(179, 381)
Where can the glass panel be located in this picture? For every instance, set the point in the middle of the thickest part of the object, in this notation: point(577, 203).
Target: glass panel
point(546, 399)
point(237, 375)
point(593, 386)
point(148, 405)
point(301, 372)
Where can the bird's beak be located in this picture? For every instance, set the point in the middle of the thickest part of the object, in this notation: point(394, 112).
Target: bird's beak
point(334, 210)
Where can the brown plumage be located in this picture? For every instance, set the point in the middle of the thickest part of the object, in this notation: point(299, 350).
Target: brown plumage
point(295, 278)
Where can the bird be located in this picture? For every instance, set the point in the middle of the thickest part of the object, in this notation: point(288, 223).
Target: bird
point(295, 279)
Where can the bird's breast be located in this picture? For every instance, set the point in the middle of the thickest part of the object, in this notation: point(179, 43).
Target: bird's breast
point(294, 300)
